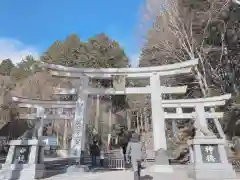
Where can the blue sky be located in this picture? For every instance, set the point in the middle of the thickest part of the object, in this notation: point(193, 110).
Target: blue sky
point(31, 26)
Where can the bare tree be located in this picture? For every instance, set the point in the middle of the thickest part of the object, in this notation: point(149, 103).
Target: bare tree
point(6, 85)
point(38, 86)
point(179, 33)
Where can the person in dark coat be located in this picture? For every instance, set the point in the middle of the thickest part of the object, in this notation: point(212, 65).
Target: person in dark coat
point(123, 142)
point(136, 152)
point(94, 151)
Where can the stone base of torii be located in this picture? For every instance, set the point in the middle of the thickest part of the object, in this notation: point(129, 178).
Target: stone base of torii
point(24, 160)
point(209, 159)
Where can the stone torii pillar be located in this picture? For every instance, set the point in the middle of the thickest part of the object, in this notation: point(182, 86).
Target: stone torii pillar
point(40, 121)
point(158, 122)
point(79, 122)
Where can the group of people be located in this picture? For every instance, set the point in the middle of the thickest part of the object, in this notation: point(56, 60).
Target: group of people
point(133, 149)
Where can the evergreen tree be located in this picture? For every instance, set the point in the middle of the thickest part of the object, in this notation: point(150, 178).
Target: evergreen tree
point(6, 67)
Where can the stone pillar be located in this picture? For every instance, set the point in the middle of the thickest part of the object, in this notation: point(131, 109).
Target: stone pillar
point(79, 122)
point(109, 121)
point(191, 154)
point(218, 125)
point(65, 135)
point(174, 123)
point(158, 123)
point(174, 128)
point(201, 116)
point(209, 159)
point(96, 123)
point(25, 160)
point(40, 116)
point(109, 128)
point(10, 154)
point(201, 121)
point(129, 120)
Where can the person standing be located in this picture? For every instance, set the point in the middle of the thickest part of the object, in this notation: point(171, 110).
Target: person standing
point(136, 152)
point(94, 150)
point(102, 156)
point(123, 142)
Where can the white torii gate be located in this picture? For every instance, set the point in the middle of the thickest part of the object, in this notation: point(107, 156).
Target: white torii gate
point(41, 106)
point(82, 76)
point(199, 112)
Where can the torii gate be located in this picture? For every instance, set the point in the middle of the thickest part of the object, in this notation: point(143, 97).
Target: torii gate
point(41, 114)
point(80, 78)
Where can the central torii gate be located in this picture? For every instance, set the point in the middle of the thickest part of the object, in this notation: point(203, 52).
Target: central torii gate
point(80, 78)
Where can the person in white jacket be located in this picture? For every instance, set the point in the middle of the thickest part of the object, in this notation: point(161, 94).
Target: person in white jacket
point(136, 152)
point(102, 152)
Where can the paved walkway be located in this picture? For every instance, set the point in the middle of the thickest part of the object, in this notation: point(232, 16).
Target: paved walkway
point(180, 174)
point(147, 174)
point(116, 175)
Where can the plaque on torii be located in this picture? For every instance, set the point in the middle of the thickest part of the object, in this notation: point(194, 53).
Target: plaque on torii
point(119, 82)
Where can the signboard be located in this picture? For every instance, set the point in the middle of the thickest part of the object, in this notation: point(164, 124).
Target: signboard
point(119, 82)
point(21, 155)
point(50, 140)
point(210, 153)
